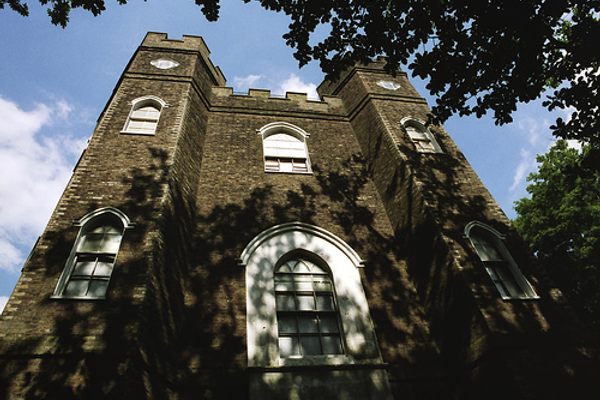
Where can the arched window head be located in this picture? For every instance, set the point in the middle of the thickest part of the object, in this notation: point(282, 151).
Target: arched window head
point(307, 313)
point(89, 267)
point(284, 148)
point(498, 262)
point(144, 115)
point(421, 137)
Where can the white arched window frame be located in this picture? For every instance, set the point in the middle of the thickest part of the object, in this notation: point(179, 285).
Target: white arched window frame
point(88, 269)
point(144, 115)
point(285, 149)
point(421, 137)
point(261, 258)
point(498, 262)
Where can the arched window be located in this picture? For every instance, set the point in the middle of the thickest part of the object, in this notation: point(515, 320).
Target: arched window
point(284, 148)
point(90, 264)
point(305, 306)
point(307, 313)
point(144, 115)
point(421, 137)
point(498, 262)
point(305, 301)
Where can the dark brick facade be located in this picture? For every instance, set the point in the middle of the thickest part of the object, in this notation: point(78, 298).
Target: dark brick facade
point(173, 324)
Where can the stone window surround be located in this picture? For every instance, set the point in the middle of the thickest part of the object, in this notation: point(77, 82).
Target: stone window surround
point(421, 125)
point(260, 258)
point(289, 129)
point(70, 263)
point(499, 241)
point(139, 102)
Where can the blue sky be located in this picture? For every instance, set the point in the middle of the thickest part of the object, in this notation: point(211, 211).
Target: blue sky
point(55, 82)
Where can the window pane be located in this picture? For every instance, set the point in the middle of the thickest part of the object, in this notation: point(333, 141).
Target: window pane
point(76, 288)
point(325, 303)
point(288, 346)
point(322, 285)
point(147, 112)
point(91, 243)
point(416, 133)
point(287, 324)
point(141, 126)
point(285, 268)
point(301, 267)
point(97, 288)
point(310, 345)
point(425, 146)
point(111, 243)
point(283, 285)
point(508, 279)
point(306, 302)
point(285, 302)
point(304, 286)
point(485, 249)
point(329, 324)
point(331, 345)
point(307, 324)
point(84, 266)
point(103, 268)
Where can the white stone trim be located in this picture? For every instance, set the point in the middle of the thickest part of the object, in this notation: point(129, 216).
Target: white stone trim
point(260, 258)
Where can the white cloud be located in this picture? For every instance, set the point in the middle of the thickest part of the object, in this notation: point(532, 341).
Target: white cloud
point(294, 84)
point(245, 82)
point(526, 165)
point(536, 129)
point(35, 169)
point(3, 300)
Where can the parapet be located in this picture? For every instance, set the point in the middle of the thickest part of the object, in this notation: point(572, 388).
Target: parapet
point(327, 104)
point(186, 43)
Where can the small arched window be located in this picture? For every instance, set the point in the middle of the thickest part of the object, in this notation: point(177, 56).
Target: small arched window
point(421, 137)
point(498, 262)
point(144, 115)
point(284, 148)
point(90, 264)
point(307, 312)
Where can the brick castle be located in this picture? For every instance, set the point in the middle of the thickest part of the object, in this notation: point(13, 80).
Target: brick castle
point(212, 245)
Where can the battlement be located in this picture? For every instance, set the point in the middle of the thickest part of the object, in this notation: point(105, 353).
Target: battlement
point(193, 43)
point(326, 104)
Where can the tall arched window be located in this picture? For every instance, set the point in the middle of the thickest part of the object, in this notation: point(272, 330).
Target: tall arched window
point(421, 137)
point(498, 262)
point(307, 313)
point(305, 306)
point(144, 115)
point(90, 264)
point(284, 148)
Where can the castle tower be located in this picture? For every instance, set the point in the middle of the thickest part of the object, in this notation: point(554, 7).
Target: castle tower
point(215, 245)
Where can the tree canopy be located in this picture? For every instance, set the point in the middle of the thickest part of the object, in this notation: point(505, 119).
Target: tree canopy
point(478, 56)
point(561, 222)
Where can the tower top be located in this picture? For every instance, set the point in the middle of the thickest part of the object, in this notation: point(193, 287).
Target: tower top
point(160, 40)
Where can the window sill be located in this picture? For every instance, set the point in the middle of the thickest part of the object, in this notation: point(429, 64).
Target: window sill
point(138, 133)
point(524, 298)
point(289, 172)
point(56, 297)
point(336, 359)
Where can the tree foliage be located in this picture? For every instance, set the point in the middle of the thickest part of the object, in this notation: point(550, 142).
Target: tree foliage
point(478, 56)
point(561, 222)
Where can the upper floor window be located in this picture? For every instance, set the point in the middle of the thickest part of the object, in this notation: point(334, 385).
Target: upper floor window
point(284, 148)
point(88, 270)
point(498, 262)
point(144, 115)
point(307, 314)
point(421, 137)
